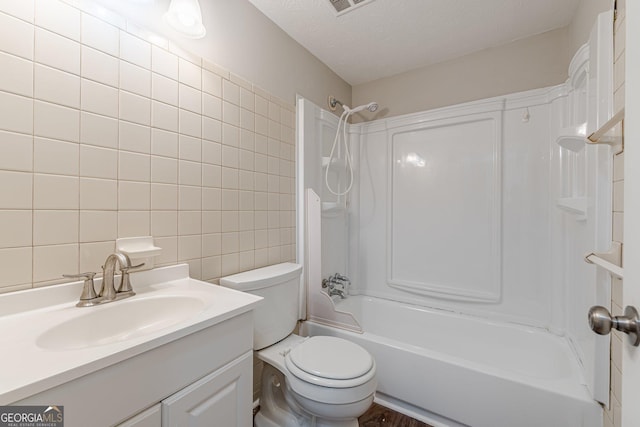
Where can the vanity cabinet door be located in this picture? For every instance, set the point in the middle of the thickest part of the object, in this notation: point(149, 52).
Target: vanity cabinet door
point(222, 398)
point(150, 418)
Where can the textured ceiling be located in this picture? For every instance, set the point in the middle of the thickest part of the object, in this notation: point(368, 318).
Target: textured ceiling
point(387, 37)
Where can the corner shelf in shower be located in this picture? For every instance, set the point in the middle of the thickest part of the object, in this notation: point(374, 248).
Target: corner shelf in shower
point(334, 162)
point(574, 205)
point(573, 138)
point(333, 207)
point(610, 133)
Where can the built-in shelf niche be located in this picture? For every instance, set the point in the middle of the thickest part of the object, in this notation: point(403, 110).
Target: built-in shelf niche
point(576, 205)
point(573, 138)
point(573, 197)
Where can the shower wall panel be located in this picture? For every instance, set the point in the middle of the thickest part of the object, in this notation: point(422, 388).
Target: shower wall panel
point(445, 240)
point(453, 208)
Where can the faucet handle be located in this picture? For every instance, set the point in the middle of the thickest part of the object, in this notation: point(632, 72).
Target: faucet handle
point(89, 275)
point(125, 283)
point(88, 296)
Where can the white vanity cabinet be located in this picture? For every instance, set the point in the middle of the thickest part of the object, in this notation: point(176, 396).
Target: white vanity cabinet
point(221, 398)
point(202, 379)
point(152, 417)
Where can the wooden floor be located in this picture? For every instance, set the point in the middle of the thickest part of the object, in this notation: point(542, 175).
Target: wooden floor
point(379, 416)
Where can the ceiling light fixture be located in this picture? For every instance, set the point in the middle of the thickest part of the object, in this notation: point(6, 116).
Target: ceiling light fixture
point(185, 16)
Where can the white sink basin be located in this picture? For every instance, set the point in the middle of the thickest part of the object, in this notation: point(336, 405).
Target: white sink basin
point(60, 342)
point(119, 321)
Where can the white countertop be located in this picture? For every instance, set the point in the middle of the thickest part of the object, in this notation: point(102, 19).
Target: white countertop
point(26, 368)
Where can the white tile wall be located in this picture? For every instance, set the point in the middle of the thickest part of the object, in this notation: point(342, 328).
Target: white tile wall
point(16, 113)
point(56, 121)
point(100, 35)
point(57, 51)
point(57, 86)
point(105, 135)
point(58, 17)
point(98, 130)
point(16, 75)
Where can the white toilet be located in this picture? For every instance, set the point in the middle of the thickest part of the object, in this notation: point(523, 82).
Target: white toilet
point(318, 381)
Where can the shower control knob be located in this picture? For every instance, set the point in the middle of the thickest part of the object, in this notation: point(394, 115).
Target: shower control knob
point(601, 322)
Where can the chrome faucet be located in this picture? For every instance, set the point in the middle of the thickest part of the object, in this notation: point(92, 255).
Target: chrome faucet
point(343, 280)
point(108, 291)
point(339, 292)
point(337, 285)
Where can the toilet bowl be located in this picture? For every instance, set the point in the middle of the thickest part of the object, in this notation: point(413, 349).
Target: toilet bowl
point(318, 381)
point(327, 377)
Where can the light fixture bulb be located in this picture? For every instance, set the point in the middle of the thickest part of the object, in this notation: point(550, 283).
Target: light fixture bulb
point(186, 20)
point(185, 17)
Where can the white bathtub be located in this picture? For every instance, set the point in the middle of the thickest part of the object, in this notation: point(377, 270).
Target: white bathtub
point(451, 370)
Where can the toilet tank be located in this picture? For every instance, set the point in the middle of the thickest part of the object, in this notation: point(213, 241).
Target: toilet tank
point(277, 315)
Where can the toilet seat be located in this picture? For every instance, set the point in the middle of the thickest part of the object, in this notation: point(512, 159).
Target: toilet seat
point(330, 362)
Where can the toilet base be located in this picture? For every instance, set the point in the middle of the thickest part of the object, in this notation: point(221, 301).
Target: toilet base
point(279, 409)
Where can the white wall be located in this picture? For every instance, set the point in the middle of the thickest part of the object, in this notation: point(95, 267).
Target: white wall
point(241, 39)
point(531, 63)
point(525, 64)
point(583, 20)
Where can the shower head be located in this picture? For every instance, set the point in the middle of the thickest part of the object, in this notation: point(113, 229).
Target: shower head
point(333, 103)
point(372, 107)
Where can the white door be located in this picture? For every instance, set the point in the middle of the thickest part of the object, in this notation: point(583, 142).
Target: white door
point(631, 355)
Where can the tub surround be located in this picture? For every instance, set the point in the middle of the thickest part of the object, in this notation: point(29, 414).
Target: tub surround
point(473, 209)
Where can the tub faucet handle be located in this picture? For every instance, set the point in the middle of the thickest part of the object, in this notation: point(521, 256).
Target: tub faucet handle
point(330, 285)
point(343, 281)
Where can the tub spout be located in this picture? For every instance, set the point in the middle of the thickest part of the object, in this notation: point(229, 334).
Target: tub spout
point(338, 292)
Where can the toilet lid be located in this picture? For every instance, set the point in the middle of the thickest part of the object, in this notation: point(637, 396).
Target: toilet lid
point(331, 358)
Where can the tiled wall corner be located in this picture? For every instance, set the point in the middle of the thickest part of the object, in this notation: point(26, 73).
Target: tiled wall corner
point(109, 131)
point(613, 412)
